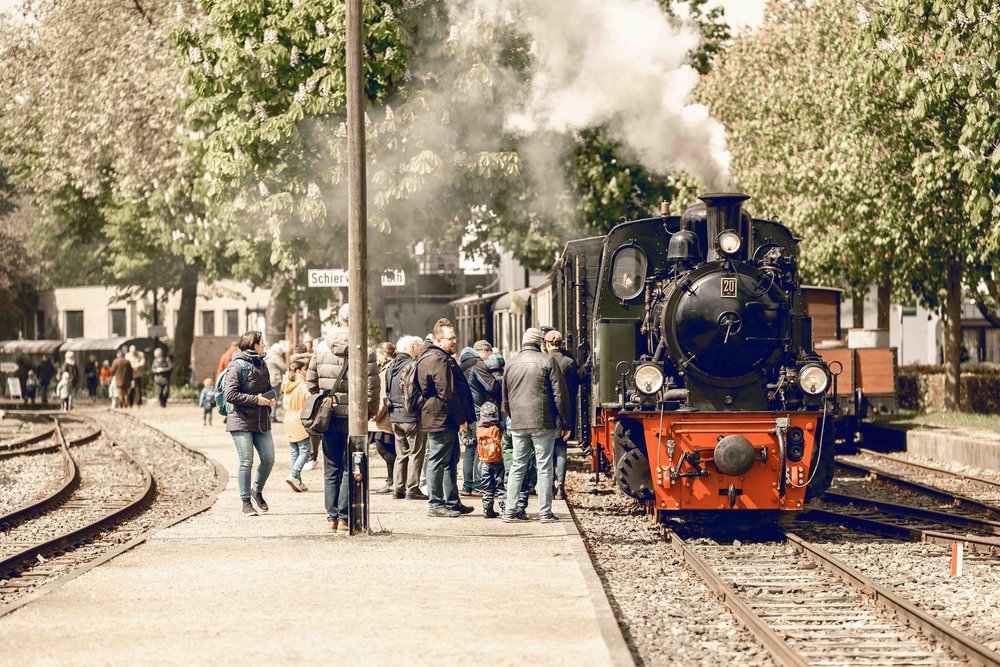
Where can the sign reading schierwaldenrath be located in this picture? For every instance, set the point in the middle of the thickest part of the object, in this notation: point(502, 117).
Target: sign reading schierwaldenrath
point(338, 278)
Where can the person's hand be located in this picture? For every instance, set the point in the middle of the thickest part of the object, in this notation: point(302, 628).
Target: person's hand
point(462, 428)
point(565, 435)
point(261, 401)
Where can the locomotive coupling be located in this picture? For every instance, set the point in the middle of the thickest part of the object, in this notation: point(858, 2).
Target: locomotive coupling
point(734, 455)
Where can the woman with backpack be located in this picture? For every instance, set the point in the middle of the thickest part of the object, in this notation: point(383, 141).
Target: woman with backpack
point(248, 417)
point(410, 442)
point(380, 431)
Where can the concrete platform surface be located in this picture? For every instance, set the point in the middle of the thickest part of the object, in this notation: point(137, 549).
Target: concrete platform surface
point(224, 589)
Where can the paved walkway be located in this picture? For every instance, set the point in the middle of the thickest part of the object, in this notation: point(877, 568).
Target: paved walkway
point(223, 589)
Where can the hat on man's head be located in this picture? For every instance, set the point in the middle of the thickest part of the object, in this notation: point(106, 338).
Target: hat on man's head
point(343, 313)
point(553, 336)
point(482, 345)
point(532, 337)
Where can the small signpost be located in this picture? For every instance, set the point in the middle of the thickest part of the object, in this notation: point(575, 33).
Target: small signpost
point(14, 387)
point(8, 366)
point(339, 278)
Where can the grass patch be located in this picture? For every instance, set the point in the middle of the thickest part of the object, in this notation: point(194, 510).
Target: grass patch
point(949, 420)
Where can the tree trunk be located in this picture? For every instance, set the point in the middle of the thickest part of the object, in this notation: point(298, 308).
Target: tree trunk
point(184, 333)
point(858, 306)
point(277, 312)
point(953, 338)
point(884, 302)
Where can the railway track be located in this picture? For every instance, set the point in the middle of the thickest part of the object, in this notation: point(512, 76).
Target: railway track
point(69, 526)
point(809, 608)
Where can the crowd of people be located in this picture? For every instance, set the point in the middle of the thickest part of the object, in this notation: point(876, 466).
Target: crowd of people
point(430, 406)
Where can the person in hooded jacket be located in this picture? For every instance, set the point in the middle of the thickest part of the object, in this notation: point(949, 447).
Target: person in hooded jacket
point(554, 347)
point(485, 388)
point(249, 417)
point(328, 373)
point(410, 441)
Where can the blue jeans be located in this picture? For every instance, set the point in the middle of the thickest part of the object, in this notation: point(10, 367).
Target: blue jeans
point(335, 471)
point(442, 469)
point(561, 460)
point(300, 454)
point(540, 442)
point(246, 442)
point(493, 483)
point(471, 476)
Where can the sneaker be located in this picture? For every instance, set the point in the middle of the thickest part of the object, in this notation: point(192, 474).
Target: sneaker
point(343, 528)
point(548, 518)
point(259, 499)
point(333, 524)
point(296, 485)
point(416, 495)
point(522, 515)
point(560, 492)
point(310, 465)
point(514, 518)
point(463, 509)
point(398, 496)
point(385, 490)
point(490, 513)
point(466, 494)
point(443, 512)
point(248, 509)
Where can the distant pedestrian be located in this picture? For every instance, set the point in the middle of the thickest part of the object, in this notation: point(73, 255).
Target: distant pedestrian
point(303, 352)
point(327, 373)
point(380, 432)
point(554, 346)
point(121, 372)
point(138, 361)
point(90, 371)
point(399, 379)
point(106, 375)
point(445, 416)
point(207, 401)
point(70, 366)
point(276, 367)
point(226, 357)
point(293, 396)
point(30, 387)
point(64, 390)
point(535, 397)
point(491, 469)
point(45, 371)
point(162, 368)
point(249, 420)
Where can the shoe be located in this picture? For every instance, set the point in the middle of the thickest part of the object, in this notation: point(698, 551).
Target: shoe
point(548, 518)
point(296, 485)
point(560, 492)
point(467, 494)
point(463, 509)
point(522, 514)
point(416, 495)
point(490, 513)
point(248, 509)
point(333, 524)
point(387, 489)
point(515, 518)
point(259, 499)
point(443, 512)
point(398, 496)
point(310, 465)
point(343, 528)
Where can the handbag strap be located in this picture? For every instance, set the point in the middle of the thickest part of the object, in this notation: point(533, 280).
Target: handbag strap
point(340, 378)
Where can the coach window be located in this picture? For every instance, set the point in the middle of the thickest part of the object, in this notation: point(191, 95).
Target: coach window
point(628, 272)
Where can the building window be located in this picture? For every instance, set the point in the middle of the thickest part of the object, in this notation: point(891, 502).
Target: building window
point(118, 326)
point(39, 324)
point(74, 324)
point(232, 323)
point(208, 323)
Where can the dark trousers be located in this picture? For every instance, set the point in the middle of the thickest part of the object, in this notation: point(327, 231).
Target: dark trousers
point(44, 391)
point(92, 387)
point(442, 469)
point(385, 445)
point(335, 470)
point(315, 442)
point(494, 481)
point(164, 393)
point(135, 395)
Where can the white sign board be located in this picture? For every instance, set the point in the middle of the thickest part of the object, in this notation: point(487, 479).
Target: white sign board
point(14, 387)
point(8, 367)
point(338, 278)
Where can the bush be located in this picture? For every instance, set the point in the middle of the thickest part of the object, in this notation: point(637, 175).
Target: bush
point(921, 388)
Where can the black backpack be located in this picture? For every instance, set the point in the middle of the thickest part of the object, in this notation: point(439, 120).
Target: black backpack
point(402, 393)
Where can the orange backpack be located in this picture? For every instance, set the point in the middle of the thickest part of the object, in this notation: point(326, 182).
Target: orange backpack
point(488, 447)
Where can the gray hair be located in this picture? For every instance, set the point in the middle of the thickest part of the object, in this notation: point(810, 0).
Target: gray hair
point(405, 343)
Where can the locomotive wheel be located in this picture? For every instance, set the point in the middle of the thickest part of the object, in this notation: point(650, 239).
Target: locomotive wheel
point(634, 477)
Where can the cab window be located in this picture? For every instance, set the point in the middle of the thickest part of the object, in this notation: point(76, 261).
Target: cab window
point(628, 272)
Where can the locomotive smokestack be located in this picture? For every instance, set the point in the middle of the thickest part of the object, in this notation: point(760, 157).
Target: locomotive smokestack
point(724, 210)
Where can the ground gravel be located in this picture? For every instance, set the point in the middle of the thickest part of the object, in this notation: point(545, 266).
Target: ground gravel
point(25, 479)
point(668, 616)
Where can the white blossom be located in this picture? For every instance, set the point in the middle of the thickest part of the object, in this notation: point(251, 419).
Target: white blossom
point(327, 55)
point(312, 192)
point(293, 57)
point(461, 157)
point(957, 69)
point(387, 13)
point(266, 70)
point(890, 44)
point(217, 70)
point(453, 34)
point(923, 74)
point(390, 53)
point(238, 153)
point(961, 18)
point(310, 85)
point(965, 151)
point(262, 189)
point(320, 28)
point(250, 45)
point(388, 113)
point(271, 36)
point(300, 95)
point(341, 131)
point(862, 14)
point(194, 54)
point(261, 110)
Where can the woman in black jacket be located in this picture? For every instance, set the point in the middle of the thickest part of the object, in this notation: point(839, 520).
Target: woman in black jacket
point(248, 419)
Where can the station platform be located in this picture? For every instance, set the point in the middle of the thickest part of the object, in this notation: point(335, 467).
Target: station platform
point(281, 588)
point(978, 448)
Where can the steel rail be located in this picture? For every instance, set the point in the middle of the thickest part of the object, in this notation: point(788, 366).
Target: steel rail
point(958, 641)
point(956, 498)
point(778, 647)
point(909, 533)
point(928, 468)
point(148, 490)
point(962, 521)
point(70, 480)
point(30, 440)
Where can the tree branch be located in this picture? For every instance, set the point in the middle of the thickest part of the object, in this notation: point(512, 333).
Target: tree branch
point(142, 12)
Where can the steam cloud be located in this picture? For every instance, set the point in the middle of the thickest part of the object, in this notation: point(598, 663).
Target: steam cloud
point(622, 64)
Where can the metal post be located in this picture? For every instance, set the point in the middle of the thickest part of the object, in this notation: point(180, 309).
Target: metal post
point(357, 267)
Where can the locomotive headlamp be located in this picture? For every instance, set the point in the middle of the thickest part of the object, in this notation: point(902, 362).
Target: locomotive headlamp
point(648, 379)
point(729, 242)
point(813, 379)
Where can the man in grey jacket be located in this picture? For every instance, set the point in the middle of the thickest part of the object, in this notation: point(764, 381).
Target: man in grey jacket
point(536, 398)
point(327, 373)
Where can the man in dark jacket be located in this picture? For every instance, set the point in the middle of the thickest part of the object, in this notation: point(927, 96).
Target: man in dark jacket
point(327, 372)
point(45, 372)
point(535, 397)
point(410, 440)
point(554, 345)
point(444, 417)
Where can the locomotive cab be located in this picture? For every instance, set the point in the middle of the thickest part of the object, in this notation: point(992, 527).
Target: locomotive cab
point(707, 392)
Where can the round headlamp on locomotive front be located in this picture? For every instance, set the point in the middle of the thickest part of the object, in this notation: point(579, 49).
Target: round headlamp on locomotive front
point(648, 379)
point(814, 379)
point(729, 242)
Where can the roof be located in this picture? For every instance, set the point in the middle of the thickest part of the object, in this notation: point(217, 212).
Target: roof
point(513, 300)
point(476, 297)
point(106, 344)
point(29, 346)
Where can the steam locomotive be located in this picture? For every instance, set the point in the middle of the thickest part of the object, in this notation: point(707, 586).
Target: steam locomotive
point(705, 390)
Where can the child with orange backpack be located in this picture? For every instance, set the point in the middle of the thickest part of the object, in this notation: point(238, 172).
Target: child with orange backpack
point(488, 438)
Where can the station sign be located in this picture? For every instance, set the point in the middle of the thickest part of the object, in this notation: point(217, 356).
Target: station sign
point(338, 278)
point(8, 367)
